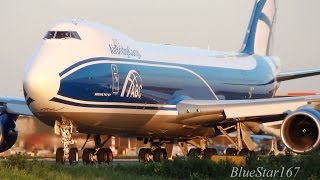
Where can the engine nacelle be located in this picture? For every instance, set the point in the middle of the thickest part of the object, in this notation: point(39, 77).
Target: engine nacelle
point(8, 134)
point(300, 131)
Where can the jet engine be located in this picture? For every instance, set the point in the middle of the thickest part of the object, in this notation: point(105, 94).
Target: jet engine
point(300, 131)
point(8, 134)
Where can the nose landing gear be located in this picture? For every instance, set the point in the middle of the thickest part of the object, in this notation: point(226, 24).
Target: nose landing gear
point(66, 153)
point(71, 154)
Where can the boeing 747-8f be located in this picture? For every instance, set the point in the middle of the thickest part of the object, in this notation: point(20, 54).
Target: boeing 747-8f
point(88, 78)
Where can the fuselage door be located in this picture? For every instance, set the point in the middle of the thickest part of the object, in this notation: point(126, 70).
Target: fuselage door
point(115, 79)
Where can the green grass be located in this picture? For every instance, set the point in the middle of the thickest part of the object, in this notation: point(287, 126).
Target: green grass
point(19, 167)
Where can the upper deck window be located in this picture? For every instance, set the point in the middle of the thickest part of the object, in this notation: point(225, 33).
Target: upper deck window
point(62, 35)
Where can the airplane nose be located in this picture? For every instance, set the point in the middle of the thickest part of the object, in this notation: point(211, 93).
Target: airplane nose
point(41, 84)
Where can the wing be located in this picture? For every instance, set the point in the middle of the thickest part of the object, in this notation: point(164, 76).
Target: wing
point(253, 115)
point(14, 105)
point(203, 111)
point(297, 74)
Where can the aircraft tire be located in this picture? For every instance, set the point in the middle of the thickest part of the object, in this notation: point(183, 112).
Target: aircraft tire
point(109, 155)
point(194, 152)
point(208, 152)
point(73, 156)
point(165, 154)
point(102, 155)
point(231, 151)
point(86, 155)
point(59, 155)
point(158, 155)
point(141, 155)
point(244, 152)
point(147, 154)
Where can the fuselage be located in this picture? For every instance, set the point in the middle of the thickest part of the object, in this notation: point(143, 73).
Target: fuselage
point(107, 83)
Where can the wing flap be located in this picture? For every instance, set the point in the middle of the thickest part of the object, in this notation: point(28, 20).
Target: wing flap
point(261, 109)
point(200, 117)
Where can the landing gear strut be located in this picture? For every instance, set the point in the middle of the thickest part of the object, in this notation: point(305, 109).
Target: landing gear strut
point(244, 142)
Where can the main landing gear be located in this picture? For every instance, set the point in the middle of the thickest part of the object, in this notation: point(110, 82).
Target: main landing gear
point(244, 145)
point(155, 153)
point(99, 154)
point(201, 150)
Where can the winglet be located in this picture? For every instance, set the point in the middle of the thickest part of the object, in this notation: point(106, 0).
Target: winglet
point(259, 32)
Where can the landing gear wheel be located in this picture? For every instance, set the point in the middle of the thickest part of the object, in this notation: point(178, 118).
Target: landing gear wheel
point(59, 155)
point(231, 151)
point(144, 154)
point(194, 152)
point(165, 154)
point(244, 152)
point(208, 152)
point(147, 154)
point(73, 156)
point(158, 155)
point(86, 155)
point(109, 155)
point(102, 155)
point(141, 155)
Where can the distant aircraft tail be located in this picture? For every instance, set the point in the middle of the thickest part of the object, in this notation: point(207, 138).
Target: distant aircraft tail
point(259, 34)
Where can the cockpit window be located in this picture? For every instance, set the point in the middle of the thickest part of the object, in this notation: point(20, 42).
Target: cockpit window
point(75, 35)
point(62, 35)
point(49, 35)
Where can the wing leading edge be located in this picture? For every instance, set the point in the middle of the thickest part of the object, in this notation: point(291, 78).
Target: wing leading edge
point(14, 105)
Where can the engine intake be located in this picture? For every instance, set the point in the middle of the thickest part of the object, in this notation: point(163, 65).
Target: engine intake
point(300, 131)
point(8, 134)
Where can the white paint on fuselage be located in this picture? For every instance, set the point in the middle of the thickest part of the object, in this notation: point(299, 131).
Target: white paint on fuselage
point(197, 57)
point(96, 39)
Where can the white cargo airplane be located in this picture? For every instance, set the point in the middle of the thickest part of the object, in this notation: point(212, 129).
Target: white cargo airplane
point(88, 78)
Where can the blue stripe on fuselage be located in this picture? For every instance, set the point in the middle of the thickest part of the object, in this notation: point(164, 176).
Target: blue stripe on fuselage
point(62, 101)
point(168, 86)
